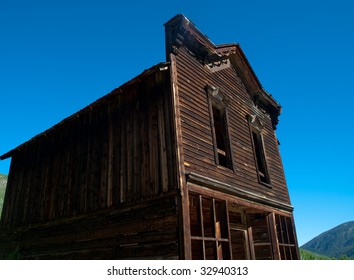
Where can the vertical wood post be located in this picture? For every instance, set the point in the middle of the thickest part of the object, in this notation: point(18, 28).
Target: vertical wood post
point(273, 236)
point(295, 238)
point(186, 252)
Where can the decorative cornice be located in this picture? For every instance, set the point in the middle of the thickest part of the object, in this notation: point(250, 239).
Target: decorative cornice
point(218, 65)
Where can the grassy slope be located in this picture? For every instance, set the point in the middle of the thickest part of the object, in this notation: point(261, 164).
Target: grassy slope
point(308, 255)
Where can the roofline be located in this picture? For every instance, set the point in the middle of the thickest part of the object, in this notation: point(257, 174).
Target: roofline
point(181, 31)
point(158, 67)
point(268, 96)
point(221, 49)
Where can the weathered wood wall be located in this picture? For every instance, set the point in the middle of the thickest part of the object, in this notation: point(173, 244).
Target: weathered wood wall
point(116, 151)
point(197, 133)
point(144, 230)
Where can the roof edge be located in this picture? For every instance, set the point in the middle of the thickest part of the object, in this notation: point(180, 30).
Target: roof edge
point(157, 67)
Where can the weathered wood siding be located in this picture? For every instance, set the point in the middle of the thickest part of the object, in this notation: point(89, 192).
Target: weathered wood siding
point(145, 230)
point(197, 133)
point(116, 151)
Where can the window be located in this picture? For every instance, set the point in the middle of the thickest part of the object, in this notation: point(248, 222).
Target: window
point(258, 148)
point(221, 138)
point(260, 157)
point(286, 238)
point(209, 228)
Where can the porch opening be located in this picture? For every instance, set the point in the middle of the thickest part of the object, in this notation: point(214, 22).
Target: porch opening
point(220, 229)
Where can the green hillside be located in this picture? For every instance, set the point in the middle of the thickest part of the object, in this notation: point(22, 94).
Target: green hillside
point(308, 255)
point(337, 242)
point(3, 180)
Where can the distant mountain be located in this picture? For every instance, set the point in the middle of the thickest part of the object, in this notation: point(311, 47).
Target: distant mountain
point(337, 242)
point(3, 181)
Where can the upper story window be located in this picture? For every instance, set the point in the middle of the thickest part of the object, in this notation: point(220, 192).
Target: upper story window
point(219, 123)
point(258, 148)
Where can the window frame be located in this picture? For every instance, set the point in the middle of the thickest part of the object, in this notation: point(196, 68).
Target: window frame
point(256, 128)
point(220, 231)
point(286, 237)
point(217, 100)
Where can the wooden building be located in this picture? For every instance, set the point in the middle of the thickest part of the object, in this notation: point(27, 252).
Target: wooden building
point(181, 162)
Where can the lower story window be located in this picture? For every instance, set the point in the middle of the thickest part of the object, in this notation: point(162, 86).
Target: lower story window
point(286, 238)
point(209, 228)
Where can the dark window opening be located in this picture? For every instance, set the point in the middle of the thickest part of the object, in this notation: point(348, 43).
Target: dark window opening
point(222, 152)
point(260, 158)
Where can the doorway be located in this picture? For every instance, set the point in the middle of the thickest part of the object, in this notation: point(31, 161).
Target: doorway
point(239, 244)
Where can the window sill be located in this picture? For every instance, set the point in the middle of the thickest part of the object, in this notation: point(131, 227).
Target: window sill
point(225, 168)
point(268, 185)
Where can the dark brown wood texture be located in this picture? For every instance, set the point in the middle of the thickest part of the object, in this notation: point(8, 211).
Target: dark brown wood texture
point(197, 133)
point(116, 151)
point(144, 230)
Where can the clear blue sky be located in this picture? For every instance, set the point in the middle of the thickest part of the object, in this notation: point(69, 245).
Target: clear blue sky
point(58, 56)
